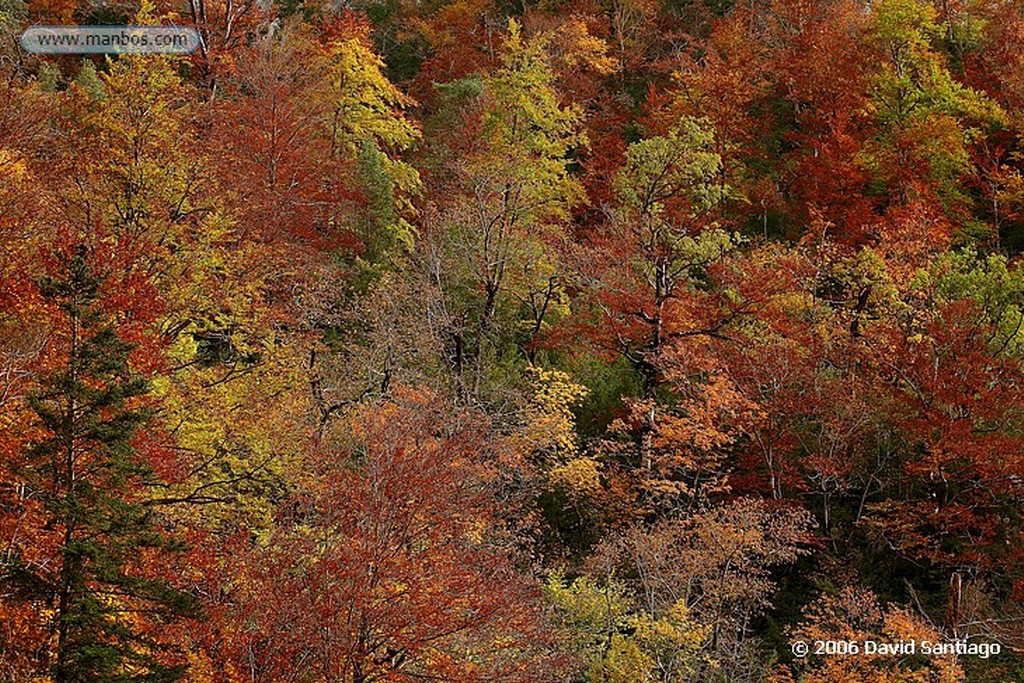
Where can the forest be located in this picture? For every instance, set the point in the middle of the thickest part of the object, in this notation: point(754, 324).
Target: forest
point(514, 341)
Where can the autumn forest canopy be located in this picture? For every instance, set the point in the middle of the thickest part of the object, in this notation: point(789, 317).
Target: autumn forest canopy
point(555, 341)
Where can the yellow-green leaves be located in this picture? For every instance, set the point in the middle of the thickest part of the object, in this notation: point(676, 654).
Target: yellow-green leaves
point(529, 133)
point(667, 190)
point(139, 156)
point(913, 80)
point(620, 643)
point(503, 228)
point(927, 118)
point(680, 165)
point(368, 126)
point(366, 105)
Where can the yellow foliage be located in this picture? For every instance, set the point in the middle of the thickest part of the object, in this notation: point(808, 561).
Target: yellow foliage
point(366, 106)
point(549, 427)
point(579, 478)
point(624, 662)
point(623, 644)
point(12, 166)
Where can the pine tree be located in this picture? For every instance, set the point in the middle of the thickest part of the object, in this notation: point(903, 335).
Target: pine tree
point(86, 472)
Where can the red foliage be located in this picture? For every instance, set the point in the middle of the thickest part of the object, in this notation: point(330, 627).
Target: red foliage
point(381, 569)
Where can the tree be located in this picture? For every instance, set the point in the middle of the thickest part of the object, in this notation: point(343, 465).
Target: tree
point(853, 614)
point(367, 126)
point(89, 559)
point(718, 562)
point(501, 277)
point(727, 78)
point(385, 564)
point(643, 270)
point(822, 71)
point(271, 129)
point(619, 642)
point(952, 371)
point(201, 292)
point(674, 601)
point(926, 119)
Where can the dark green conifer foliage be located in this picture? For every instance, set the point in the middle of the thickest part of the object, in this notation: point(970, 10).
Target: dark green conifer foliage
point(87, 474)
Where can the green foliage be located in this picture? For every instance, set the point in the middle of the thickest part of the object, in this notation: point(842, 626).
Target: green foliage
point(607, 383)
point(12, 13)
point(529, 133)
point(923, 111)
point(682, 165)
point(48, 76)
point(87, 474)
point(385, 233)
point(452, 100)
point(991, 281)
point(667, 189)
point(368, 127)
point(502, 274)
point(88, 80)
